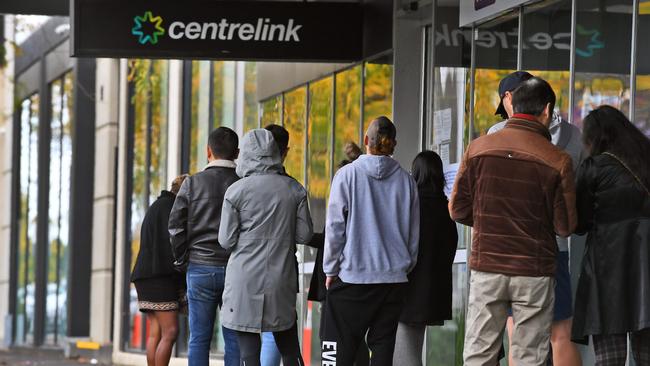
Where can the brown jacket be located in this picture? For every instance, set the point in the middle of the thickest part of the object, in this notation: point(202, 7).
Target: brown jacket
point(517, 190)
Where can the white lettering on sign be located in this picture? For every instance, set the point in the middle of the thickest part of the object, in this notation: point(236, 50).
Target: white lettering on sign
point(329, 353)
point(263, 30)
point(489, 39)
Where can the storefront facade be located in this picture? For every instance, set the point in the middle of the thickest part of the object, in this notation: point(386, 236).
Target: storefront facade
point(120, 130)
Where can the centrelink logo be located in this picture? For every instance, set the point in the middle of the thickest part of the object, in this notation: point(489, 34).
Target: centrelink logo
point(150, 21)
point(148, 28)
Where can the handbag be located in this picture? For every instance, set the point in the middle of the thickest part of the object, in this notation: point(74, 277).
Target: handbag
point(636, 177)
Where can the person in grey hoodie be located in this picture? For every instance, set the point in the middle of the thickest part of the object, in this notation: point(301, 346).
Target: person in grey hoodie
point(371, 244)
point(264, 215)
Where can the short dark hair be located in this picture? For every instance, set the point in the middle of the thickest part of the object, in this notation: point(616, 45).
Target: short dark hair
point(223, 143)
point(381, 136)
point(532, 96)
point(280, 135)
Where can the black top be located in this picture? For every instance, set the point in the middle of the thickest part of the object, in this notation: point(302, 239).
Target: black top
point(613, 295)
point(428, 300)
point(196, 216)
point(155, 257)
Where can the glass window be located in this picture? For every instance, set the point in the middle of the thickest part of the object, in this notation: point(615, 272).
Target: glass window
point(149, 86)
point(496, 57)
point(251, 118)
point(603, 54)
point(445, 343)
point(642, 100)
point(348, 110)
point(200, 120)
point(547, 40)
point(271, 109)
point(378, 89)
point(25, 302)
point(295, 112)
point(59, 207)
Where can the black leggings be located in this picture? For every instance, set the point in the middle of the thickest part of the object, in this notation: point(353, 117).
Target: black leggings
point(250, 345)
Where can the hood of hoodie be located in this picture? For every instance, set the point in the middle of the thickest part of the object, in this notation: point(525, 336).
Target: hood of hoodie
point(377, 166)
point(258, 154)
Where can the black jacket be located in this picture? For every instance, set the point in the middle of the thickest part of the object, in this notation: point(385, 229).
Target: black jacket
point(613, 295)
point(428, 300)
point(195, 218)
point(155, 257)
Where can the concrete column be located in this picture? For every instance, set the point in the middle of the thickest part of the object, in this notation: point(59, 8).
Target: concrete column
point(6, 146)
point(106, 134)
point(175, 131)
point(407, 93)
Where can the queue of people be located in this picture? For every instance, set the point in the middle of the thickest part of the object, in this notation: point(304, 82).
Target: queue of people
point(224, 239)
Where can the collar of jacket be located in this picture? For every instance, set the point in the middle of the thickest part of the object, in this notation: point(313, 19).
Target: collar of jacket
point(528, 122)
point(165, 193)
point(220, 163)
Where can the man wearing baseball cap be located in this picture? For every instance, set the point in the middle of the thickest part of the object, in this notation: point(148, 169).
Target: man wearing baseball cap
point(568, 138)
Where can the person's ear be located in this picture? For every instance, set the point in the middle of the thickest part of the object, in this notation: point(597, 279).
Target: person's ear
point(209, 152)
point(365, 140)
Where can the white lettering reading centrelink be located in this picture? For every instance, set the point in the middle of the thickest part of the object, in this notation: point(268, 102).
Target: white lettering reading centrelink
point(263, 30)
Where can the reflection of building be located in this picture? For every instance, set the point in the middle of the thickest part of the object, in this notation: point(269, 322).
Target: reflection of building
point(92, 142)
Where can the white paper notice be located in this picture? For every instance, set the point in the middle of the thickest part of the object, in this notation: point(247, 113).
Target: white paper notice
point(442, 125)
point(444, 154)
point(450, 177)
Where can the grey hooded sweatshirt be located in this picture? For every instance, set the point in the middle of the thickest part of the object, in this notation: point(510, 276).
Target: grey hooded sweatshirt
point(264, 215)
point(373, 222)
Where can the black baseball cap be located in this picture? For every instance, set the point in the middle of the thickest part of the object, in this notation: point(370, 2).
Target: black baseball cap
point(508, 84)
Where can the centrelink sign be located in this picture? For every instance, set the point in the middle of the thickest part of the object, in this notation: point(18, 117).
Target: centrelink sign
point(208, 29)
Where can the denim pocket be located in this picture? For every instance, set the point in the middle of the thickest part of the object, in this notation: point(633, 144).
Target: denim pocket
point(200, 286)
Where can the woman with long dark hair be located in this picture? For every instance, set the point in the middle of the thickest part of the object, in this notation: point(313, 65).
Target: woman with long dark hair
point(613, 198)
point(428, 300)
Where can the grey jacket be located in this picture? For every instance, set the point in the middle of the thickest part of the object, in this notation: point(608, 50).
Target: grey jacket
point(568, 138)
point(264, 215)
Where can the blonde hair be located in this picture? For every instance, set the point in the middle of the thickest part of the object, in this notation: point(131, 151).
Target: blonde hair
point(177, 182)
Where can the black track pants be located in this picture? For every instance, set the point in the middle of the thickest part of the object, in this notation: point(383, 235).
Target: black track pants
point(250, 345)
point(351, 312)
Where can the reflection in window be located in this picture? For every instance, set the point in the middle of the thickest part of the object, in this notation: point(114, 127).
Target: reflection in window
point(27, 217)
point(496, 57)
point(271, 109)
point(295, 112)
point(251, 118)
point(200, 125)
point(445, 343)
point(348, 110)
point(642, 100)
point(149, 166)
point(319, 137)
point(59, 207)
point(602, 59)
point(378, 90)
point(546, 33)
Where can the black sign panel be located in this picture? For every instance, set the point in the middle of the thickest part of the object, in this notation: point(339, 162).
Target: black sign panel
point(208, 29)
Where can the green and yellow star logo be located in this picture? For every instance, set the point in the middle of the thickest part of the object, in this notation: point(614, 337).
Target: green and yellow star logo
point(152, 22)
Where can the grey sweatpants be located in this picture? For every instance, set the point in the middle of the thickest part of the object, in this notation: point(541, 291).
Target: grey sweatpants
point(408, 345)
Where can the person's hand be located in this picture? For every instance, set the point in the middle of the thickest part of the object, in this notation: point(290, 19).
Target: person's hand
point(329, 281)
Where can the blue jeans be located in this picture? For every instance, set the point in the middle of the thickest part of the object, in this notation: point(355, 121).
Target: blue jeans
point(270, 355)
point(204, 290)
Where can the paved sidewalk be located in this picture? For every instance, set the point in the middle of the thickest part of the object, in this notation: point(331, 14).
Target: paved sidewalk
point(39, 357)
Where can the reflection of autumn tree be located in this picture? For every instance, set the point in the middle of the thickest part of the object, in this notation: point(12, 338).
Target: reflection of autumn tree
point(319, 134)
point(149, 80)
point(378, 92)
point(250, 96)
point(348, 110)
point(271, 111)
point(486, 99)
point(295, 108)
